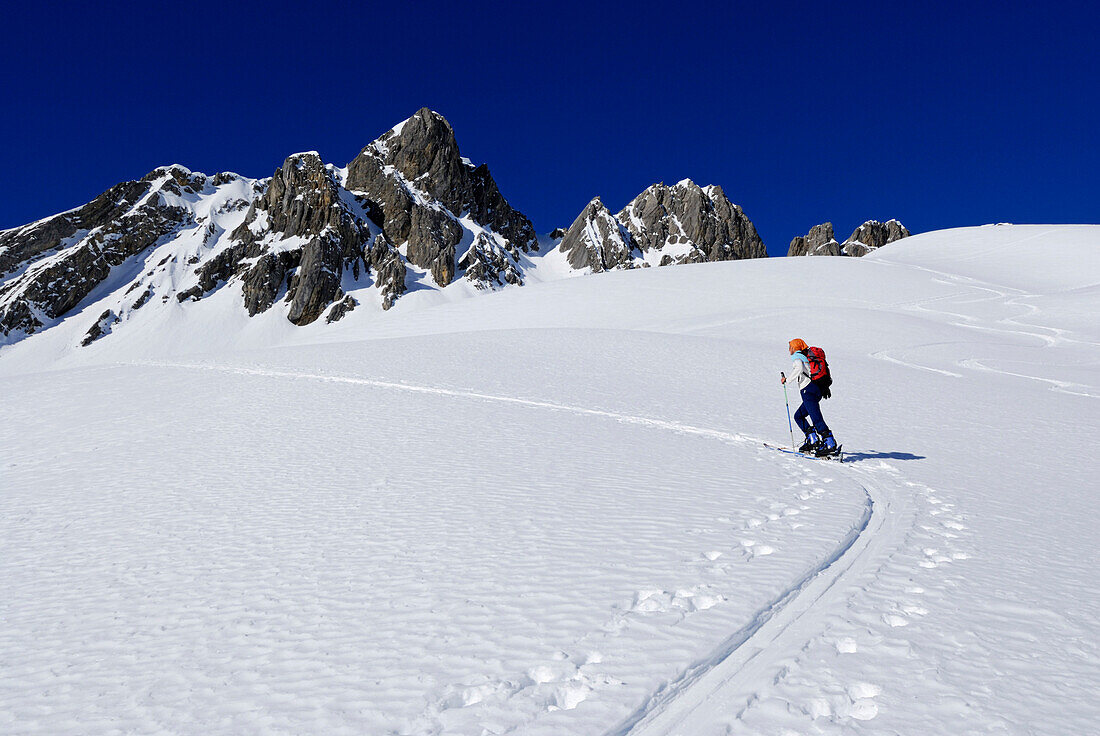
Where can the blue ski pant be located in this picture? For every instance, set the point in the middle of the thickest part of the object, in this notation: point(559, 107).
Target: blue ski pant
point(811, 407)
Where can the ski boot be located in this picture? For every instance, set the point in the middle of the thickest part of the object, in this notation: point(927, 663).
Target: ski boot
point(827, 447)
point(810, 444)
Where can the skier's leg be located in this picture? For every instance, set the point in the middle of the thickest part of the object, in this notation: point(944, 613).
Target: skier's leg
point(811, 399)
point(800, 418)
point(811, 436)
point(811, 402)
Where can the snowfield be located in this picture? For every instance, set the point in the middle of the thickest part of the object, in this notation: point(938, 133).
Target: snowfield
point(548, 510)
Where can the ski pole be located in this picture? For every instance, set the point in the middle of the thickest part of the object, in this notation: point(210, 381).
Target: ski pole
point(788, 403)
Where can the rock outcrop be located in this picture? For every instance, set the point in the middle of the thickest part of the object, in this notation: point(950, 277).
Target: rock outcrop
point(300, 235)
point(47, 268)
point(869, 236)
point(687, 223)
point(663, 225)
point(598, 241)
point(872, 235)
point(424, 188)
point(820, 241)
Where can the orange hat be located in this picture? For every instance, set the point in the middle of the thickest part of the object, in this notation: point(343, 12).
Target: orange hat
point(797, 344)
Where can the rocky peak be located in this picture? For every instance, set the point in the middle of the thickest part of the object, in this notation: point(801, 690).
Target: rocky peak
point(682, 223)
point(597, 240)
point(872, 235)
point(867, 237)
point(820, 241)
point(687, 223)
point(423, 187)
point(424, 151)
point(301, 199)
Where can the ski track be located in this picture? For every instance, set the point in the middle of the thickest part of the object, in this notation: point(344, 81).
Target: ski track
point(1049, 337)
point(729, 677)
point(437, 391)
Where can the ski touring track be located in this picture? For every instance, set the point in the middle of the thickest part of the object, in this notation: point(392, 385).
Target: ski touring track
point(727, 681)
point(1012, 327)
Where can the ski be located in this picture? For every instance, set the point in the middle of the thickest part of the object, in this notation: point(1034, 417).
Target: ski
point(838, 457)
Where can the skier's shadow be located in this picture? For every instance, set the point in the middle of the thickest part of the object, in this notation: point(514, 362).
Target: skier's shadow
point(854, 457)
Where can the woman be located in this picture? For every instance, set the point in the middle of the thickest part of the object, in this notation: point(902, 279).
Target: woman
point(819, 439)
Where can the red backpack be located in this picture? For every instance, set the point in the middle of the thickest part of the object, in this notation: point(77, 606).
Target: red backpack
point(819, 370)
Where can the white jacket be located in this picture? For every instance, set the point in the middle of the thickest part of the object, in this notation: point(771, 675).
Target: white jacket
point(800, 371)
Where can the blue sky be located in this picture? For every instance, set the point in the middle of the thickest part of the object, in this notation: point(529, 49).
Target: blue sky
point(939, 114)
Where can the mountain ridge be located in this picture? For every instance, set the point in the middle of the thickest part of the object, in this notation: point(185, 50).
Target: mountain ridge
point(315, 241)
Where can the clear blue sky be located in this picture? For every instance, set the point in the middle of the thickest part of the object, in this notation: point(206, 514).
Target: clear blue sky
point(939, 114)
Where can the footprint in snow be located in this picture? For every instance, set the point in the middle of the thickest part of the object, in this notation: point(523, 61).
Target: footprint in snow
point(683, 601)
point(846, 645)
point(862, 690)
point(863, 710)
point(935, 558)
point(863, 707)
point(751, 549)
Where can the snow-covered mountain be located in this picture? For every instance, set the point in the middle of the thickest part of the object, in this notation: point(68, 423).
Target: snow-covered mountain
point(315, 241)
point(869, 236)
point(408, 220)
point(409, 212)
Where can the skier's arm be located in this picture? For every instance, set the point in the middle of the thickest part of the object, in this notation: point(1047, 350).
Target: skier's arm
point(800, 372)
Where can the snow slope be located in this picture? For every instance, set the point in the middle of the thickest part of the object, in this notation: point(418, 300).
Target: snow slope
point(547, 510)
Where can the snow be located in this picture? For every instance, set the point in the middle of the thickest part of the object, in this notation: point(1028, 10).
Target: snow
point(547, 510)
point(299, 157)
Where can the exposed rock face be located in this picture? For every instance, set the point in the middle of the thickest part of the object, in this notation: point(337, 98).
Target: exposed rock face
point(687, 223)
point(598, 241)
point(101, 327)
point(389, 269)
point(487, 263)
point(867, 237)
point(301, 234)
point(872, 235)
point(341, 308)
point(423, 187)
point(50, 266)
point(663, 225)
point(820, 241)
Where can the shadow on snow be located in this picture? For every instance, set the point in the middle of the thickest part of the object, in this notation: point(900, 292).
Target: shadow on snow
point(852, 457)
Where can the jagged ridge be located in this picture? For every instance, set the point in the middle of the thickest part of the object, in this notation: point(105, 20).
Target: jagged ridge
point(664, 225)
point(869, 236)
point(409, 200)
point(315, 241)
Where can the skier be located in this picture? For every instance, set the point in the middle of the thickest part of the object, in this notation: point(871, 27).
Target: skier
point(819, 439)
